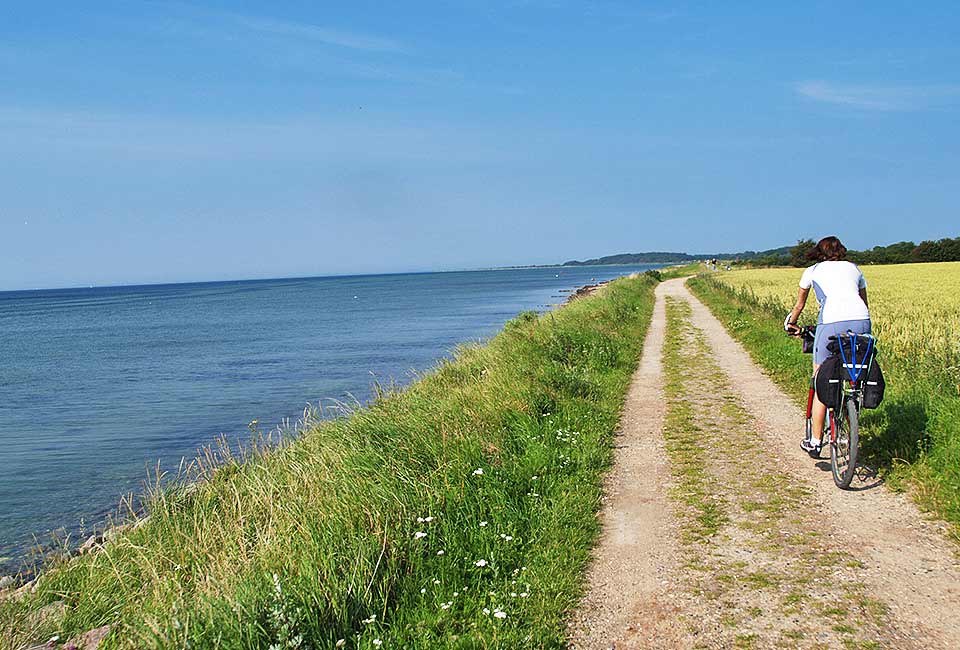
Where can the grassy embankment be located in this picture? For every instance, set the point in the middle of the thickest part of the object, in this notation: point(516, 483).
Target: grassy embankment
point(914, 437)
point(458, 512)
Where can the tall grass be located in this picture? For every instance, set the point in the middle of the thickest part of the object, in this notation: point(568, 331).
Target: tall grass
point(914, 437)
point(458, 512)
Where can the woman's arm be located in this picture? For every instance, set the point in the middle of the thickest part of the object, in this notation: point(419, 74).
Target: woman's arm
point(863, 296)
point(797, 308)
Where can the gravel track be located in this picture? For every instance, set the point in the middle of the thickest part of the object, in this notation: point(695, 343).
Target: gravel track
point(638, 590)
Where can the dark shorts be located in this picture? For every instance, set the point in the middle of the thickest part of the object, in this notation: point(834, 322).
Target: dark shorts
point(826, 330)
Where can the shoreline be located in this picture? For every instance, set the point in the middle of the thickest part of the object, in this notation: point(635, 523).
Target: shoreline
point(506, 420)
point(65, 543)
point(110, 443)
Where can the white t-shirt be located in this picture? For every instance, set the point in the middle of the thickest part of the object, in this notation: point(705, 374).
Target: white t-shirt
point(837, 285)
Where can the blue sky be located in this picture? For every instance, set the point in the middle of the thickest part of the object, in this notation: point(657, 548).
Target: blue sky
point(164, 142)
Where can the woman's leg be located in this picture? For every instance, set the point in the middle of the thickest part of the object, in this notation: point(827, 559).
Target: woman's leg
point(818, 414)
point(819, 411)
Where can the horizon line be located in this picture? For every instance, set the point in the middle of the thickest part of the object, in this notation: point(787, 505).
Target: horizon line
point(136, 285)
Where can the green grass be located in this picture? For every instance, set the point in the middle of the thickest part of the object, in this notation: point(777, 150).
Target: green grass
point(685, 441)
point(681, 270)
point(913, 439)
point(302, 545)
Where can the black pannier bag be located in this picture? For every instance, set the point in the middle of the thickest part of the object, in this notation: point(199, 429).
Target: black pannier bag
point(828, 381)
point(873, 386)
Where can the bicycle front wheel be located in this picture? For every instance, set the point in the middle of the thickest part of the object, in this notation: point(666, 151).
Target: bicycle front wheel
point(845, 445)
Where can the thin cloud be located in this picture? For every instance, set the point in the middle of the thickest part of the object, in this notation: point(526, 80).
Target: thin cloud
point(880, 97)
point(350, 40)
point(71, 135)
point(202, 22)
point(601, 8)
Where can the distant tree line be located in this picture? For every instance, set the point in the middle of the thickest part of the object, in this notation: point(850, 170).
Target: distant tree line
point(940, 250)
point(657, 257)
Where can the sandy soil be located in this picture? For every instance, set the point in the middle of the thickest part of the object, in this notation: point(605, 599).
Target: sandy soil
point(780, 554)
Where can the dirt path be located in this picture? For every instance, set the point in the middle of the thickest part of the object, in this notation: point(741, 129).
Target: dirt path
point(716, 536)
point(630, 577)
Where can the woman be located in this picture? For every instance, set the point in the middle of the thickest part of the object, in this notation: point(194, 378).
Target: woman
point(842, 294)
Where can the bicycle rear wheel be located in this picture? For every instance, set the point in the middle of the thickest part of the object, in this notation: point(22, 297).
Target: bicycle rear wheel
point(845, 443)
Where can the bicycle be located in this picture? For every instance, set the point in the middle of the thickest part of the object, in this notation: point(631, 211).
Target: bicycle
point(841, 428)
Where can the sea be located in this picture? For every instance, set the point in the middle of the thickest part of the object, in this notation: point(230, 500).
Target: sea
point(100, 386)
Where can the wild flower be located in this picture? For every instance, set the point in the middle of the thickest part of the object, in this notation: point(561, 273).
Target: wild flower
point(419, 534)
point(341, 642)
point(424, 520)
point(377, 642)
point(441, 552)
point(483, 524)
point(486, 611)
point(368, 621)
point(513, 594)
point(435, 581)
point(423, 590)
point(500, 614)
point(524, 594)
point(481, 563)
point(456, 593)
point(478, 471)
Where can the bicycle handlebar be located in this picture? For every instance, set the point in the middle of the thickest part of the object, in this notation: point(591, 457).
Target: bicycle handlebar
point(800, 332)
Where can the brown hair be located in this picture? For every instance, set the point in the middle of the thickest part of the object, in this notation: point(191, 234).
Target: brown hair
point(828, 249)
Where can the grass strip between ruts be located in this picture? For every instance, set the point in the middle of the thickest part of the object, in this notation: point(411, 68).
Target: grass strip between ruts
point(458, 512)
point(913, 438)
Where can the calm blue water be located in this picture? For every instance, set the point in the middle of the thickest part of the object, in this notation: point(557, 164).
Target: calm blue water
point(98, 384)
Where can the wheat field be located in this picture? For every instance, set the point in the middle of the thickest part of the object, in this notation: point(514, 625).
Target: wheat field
point(915, 307)
point(913, 439)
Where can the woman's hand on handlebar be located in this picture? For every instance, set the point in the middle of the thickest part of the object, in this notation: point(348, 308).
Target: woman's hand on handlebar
point(791, 328)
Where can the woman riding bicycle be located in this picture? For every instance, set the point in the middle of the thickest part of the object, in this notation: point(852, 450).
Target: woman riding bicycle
point(842, 294)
